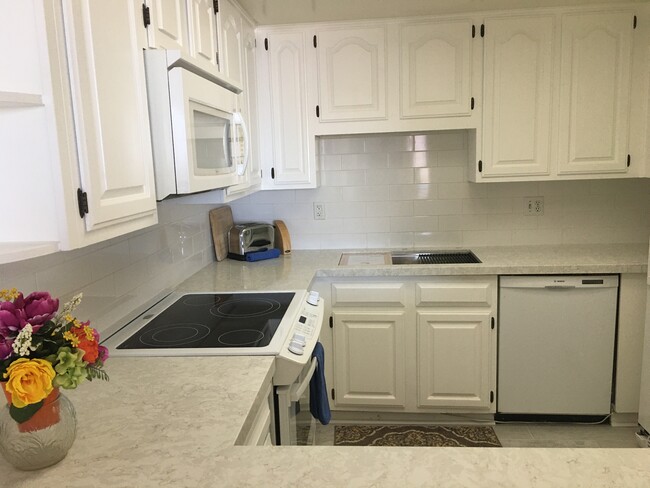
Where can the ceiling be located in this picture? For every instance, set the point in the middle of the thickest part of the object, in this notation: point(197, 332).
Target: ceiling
point(266, 12)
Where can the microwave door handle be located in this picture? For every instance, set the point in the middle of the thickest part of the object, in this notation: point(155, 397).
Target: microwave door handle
point(239, 120)
point(298, 390)
point(227, 130)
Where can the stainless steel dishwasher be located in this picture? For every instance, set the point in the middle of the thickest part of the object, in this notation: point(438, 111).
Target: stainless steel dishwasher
point(556, 344)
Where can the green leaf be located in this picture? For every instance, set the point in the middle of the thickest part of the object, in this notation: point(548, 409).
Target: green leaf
point(21, 415)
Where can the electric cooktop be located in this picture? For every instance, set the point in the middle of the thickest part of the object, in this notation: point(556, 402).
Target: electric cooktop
point(209, 320)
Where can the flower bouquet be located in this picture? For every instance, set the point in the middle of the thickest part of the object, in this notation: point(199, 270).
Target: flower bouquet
point(42, 349)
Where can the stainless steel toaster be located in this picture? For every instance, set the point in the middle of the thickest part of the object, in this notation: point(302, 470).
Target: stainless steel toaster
point(250, 237)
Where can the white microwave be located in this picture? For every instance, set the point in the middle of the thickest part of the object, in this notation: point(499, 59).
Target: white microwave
point(199, 139)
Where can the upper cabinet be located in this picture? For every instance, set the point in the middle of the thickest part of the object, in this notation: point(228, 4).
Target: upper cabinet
point(557, 97)
point(167, 29)
point(595, 92)
point(286, 146)
point(435, 68)
point(518, 88)
point(88, 138)
point(203, 35)
point(351, 73)
point(109, 103)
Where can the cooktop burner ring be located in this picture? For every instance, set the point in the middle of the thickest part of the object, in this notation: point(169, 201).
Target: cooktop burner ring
point(252, 307)
point(255, 336)
point(190, 332)
point(201, 300)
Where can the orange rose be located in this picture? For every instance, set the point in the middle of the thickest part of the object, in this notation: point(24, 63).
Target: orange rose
point(30, 381)
point(87, 343)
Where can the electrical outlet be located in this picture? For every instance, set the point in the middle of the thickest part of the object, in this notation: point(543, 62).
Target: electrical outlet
point(319, 211)
point(534, 206)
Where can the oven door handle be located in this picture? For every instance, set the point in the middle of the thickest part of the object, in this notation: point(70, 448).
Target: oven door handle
point(299, 389)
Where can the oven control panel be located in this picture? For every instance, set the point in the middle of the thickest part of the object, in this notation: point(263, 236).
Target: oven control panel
point(303, 330)
point(296, 353)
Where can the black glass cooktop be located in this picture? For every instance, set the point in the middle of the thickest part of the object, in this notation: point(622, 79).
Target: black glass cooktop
point(214, 320)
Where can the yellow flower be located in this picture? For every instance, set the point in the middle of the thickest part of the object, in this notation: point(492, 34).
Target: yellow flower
point(9, 295)
point(30, 381)
point(89, 333)
point(71, 338)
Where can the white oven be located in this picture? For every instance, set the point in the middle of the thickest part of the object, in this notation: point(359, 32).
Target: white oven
point(199, 139)
point(284, 324)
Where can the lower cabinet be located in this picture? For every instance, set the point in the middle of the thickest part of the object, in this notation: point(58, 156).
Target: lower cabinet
point(369, 357)
point(260, 430)
point(428, 345)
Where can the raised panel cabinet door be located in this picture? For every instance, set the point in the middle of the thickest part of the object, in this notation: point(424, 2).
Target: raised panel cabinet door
point(453, 359)
point(232, 43)
point(168, 24)
point(291, 161)
point(435, 69)
point(105, 42)
point(595, 92)
point(202, 30)
point(518, 95)
point(352, 74)
point(369, 358)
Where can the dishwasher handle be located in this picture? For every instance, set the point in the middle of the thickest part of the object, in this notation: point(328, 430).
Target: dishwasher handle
point(560, 287)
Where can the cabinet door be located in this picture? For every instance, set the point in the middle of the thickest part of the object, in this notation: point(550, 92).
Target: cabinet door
point(435, 73)
point(453, 359)
point(232, 43)
point(291, 164)
point(369, 358)
point(168, 23)
point(202, 33)
point(595, 92)
point(105, 42)
point(517, 92)
point(352, 74)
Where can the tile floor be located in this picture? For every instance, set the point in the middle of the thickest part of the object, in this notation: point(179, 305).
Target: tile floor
point(539, 435)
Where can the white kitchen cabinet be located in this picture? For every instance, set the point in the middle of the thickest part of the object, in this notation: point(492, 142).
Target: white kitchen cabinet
point(369, 358)
point(232, 42)
point(202, 22)
point(454, 359)
point(351, 73)
point(259, 427)
point(109, 101)
point(287, 149)
point(436, 336)
point(518, 91)
point(168, 25)
point(435, 68)
point(595, 92)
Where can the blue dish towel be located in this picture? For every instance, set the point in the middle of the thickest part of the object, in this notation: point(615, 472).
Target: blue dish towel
point(319, 405)
point(260, 255)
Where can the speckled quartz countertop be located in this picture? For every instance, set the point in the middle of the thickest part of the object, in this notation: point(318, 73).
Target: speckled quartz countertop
point(174, 421)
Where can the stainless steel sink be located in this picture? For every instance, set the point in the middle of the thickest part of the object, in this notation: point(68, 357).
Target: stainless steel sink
point(455, 256)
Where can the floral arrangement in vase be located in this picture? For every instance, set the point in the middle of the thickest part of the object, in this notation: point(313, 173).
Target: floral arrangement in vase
point(42, 349)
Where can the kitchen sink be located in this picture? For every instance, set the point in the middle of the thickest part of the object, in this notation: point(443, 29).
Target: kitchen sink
point(435, 257)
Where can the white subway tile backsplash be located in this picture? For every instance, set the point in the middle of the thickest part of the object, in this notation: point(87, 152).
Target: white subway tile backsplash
point(420, 159)
point(343, 178)
point(419, 183)
point(413, 192)
point(437, 239)
point(388, 143)
point(364, 161)
point(414, 224)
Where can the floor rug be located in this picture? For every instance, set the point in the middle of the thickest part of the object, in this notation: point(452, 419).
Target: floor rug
point(415, 435)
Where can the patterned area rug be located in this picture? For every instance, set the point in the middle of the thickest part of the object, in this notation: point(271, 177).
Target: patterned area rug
point(415, 435)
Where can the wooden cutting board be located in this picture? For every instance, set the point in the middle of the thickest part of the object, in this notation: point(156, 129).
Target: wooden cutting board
point(220, 223)
point(282, 239)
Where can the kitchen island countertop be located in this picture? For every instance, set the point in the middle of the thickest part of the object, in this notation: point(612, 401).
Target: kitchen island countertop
point(174, 421)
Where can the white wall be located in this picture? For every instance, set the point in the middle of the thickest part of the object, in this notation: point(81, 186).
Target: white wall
point(412, 191)
point(122, 274)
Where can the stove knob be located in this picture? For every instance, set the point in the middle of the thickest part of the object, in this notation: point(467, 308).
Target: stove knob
point(299, 339)
point(312, 299)
point(296, 348)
